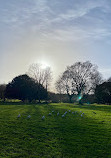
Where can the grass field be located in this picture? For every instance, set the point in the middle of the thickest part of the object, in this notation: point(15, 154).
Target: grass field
point(72, 136)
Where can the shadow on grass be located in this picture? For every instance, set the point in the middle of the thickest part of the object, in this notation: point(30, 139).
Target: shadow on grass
point(83, 137)
point(100, 107)
point(54, 137)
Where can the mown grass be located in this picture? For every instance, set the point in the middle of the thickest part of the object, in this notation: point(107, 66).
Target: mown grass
point(55, 137)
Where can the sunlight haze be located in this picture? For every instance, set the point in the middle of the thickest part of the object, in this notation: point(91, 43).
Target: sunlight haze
point(57, 33)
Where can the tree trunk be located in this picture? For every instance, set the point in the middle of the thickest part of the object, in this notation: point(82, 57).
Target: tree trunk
point(80, 102)
point(70, 98)
point(46, 94)
point(39, 101)
point(4, 99)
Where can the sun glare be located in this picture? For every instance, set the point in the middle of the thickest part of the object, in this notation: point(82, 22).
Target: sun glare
point(44, 65)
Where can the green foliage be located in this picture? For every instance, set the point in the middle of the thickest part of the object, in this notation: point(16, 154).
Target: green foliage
point(2, 91)
point(103, 93)
point(72, 136)
point(25, 88)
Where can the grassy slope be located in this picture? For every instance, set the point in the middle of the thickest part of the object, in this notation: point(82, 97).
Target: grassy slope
point(55, 137)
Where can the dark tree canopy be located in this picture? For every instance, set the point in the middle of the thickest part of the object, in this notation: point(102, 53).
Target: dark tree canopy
point(24, 88)
point(103, 93)
point(109, 80)
point(2, 91)
point(80, 78)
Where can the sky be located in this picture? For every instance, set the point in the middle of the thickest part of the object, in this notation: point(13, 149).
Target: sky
point(55, 32)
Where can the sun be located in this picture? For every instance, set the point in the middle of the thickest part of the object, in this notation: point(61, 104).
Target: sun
point(44, 65)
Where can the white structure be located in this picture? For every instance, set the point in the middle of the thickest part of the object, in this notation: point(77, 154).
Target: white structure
point(18, 116)
point(29, 116)
point(43, 117)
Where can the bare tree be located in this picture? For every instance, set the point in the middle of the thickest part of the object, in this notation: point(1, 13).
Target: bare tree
point(61, 86)
point(41, 75)
point(64, 85)
point(80, 78)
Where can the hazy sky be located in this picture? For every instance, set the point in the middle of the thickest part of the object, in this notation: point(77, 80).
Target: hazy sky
point(57, 32)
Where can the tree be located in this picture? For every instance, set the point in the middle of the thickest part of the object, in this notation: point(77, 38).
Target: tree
point(109, 80)
point(79, 79)
point(60, 87)
point(24, 88)
point(103, 93)
point(41, 75)
point(64, 85)
point(2, 91)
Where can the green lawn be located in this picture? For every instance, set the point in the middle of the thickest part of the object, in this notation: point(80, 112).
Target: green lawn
point(72, 136)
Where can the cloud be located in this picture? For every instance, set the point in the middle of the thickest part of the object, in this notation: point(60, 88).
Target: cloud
point(79, 10)
point(48, 28)
point(40, 13)
point(106, 72)
point(73, 34)
point(74, 23)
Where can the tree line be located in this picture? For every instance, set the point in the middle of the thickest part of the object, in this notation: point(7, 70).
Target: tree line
point(30, 86)
point(78, 82)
